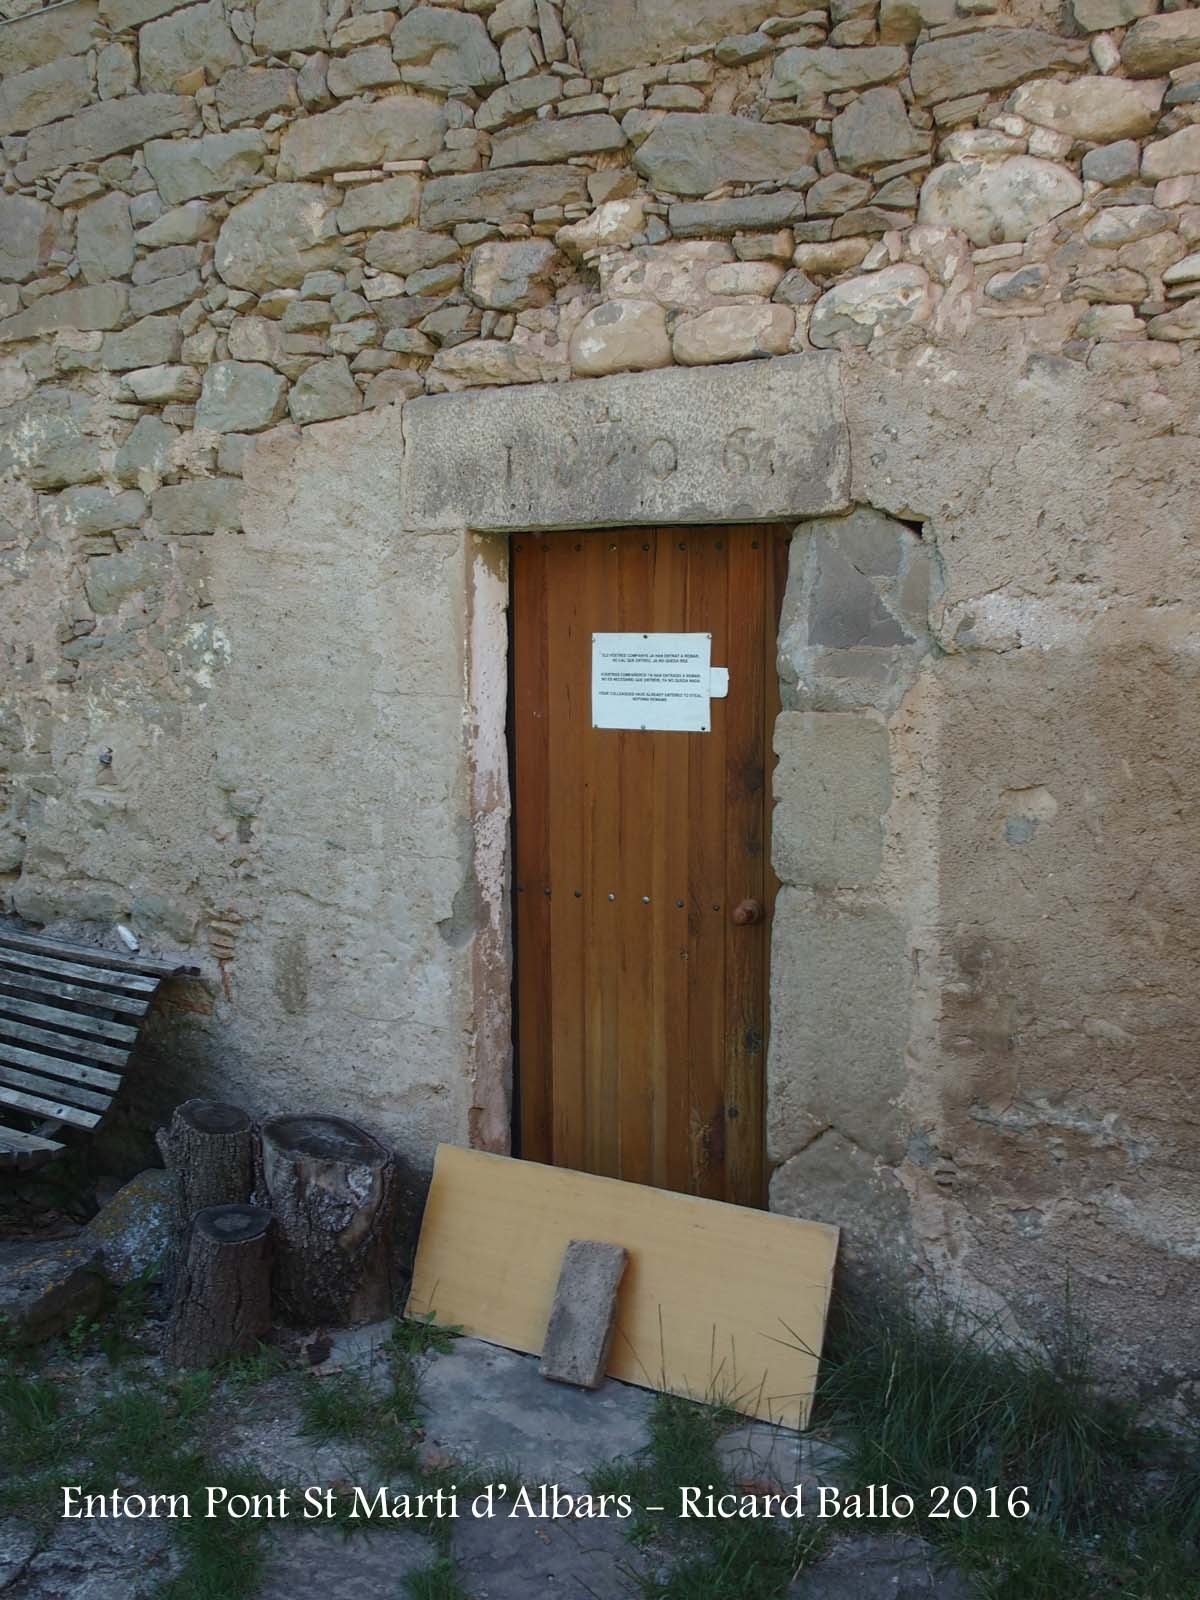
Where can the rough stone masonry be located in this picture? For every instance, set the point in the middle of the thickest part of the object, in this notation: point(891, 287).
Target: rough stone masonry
point(253, 682)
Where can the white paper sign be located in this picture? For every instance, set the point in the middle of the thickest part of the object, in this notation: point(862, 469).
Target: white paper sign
point(659, 681)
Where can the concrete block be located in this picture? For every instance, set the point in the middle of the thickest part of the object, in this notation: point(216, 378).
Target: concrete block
point(584, 1314)
point(752, 443)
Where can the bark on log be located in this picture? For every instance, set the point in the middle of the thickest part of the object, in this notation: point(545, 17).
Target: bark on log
point(222, 1304)
point(209, 1152)
point(332, 1189)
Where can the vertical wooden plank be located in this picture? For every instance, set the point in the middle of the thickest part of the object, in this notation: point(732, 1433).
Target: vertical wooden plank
point(565, 688)
point(530, 746)
point(604, 756)
point(637, 1068)
point(746, 946)
point(706, 555)
point(672, 908)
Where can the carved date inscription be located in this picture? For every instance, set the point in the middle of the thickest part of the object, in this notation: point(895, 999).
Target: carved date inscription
point(582, 457)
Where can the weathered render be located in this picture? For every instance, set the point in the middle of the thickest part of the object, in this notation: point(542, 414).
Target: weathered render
point(305, 307)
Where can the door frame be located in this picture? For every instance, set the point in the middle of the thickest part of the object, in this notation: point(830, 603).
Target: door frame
point(764, 441)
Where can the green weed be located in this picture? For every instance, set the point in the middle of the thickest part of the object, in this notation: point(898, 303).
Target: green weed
point(940, 1396)
point(437, 1582)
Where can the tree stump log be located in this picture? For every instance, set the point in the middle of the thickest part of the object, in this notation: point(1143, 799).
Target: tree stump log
point(332, 1189)
point(209, 1152)
point(222, 1303)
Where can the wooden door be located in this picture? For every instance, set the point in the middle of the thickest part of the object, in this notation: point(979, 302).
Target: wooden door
point(641, 1002)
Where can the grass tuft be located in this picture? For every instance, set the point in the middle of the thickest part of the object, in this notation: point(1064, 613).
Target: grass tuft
point(438, 1582)
point(940, 1395)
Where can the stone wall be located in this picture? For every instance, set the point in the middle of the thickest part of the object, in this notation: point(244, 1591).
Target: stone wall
point(253, 668)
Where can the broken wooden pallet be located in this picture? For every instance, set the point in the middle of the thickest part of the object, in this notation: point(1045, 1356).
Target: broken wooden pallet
point(69, 1017)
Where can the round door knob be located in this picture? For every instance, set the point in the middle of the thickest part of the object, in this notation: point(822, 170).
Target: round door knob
point(748, 911)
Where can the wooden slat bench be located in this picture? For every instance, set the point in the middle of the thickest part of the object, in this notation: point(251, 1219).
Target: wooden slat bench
point(69, 1017)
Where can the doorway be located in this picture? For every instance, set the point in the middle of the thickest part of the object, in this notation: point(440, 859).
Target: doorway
point(644, 889)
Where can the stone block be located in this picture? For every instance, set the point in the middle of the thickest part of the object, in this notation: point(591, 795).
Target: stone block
point(1100, 110)
point(512, 277)
point(1097, 16)
point(878, 302)
point(392, 387)
point(998, 202)
point(614, 35)
point(43, 36)
point(557, 140)
point(991, 58)
point(445, 51)
point(44, 94)
point(583, 1317)
point(46, 1288)
point(479, 362)
point(1121, 225)
point(701, 219)
point(163, 384)
point(874, 130)
point(146, 300)
point(246, 93)
point(807, 75)
point(281, 26)
point(733, 333)
point(116, 71)
point(498, 196)
point(513, 100)
point(832, 789)
point(380, 205)
point(199, 505)
point(838, 193)
point(692, 153)
point(1173, 157)
point(122, 14)
point(621, 336)
point(185, 224)
point(241, 397)
point(1178, 325)
point(900, 21)
point(1113, 163)
point(145, 458)
point(173, 47)
point(371, 67)
point(856, 613)
point(104, 130)
point(183, 169)
point(89, 510)
point(613, 225)
point(103, 305)
point(840, 987)
point(755, 442)
point(111, 580)
point(104, 238)
point(276, 237)
point(1160, 44)
point(30, 231)
point(400, 127)
point(325, 390)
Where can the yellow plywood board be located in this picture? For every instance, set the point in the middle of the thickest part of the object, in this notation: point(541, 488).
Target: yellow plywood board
point(717, 1302)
